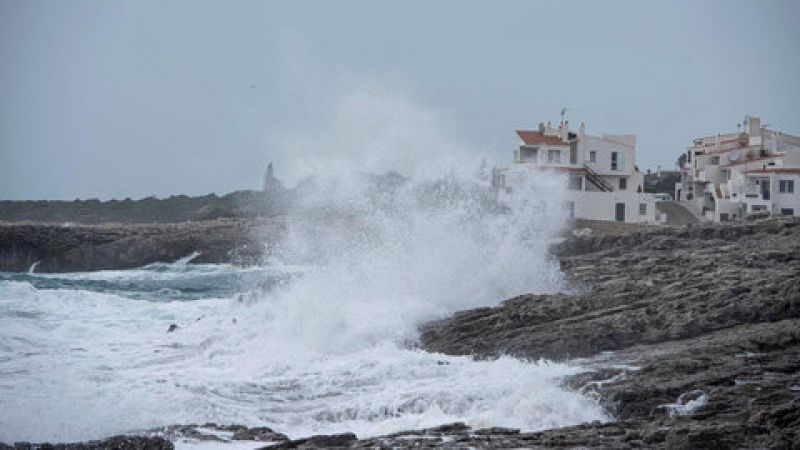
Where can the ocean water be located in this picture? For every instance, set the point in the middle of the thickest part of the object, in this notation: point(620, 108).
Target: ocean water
point(320, 338)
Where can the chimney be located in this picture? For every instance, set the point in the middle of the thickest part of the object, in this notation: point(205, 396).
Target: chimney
point(752, 126)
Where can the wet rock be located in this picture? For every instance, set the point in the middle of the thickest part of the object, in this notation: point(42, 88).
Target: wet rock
point(693, 334)
point(112, 443)
point(343, 440)
point(447, 428)
point(74, 248)
point(646, 294)
point(218, 433)
point(263, 434)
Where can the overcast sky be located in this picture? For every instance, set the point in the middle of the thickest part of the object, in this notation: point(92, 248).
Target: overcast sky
point(136, 98)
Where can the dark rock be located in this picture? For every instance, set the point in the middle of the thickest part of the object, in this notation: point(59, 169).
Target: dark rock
point(343, 440)
point(175, 209)
point(172, 327)
point(98, 247)
point(205, 432)
point(691, 335)
point(112, 443)
point(646, 294)
point(263, 434)
point(448, 428)
point(706, 318)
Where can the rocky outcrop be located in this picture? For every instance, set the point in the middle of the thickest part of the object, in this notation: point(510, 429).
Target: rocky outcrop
point(319, 441)
point(691, 336)
point(57, 248)
point(647, 287)
point(174, 209)
point(694, 335)
point(212, 432)
point(115, 443)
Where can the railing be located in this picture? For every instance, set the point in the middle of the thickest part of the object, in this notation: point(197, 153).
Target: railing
point(601, 184)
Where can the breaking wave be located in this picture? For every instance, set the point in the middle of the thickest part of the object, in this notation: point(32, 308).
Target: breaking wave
point(320, 339)
point(331, 349)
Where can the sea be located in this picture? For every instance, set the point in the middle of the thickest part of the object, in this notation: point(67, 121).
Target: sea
point(321, 337)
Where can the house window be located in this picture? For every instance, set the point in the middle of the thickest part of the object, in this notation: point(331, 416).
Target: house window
point(575, 182)
point(529, 154)
point(723, 217)
point(787, 211)
point(592, 156)
point(642, 209)
point(623, 184)
point(554, 156)
point(715, 160)
point(614, 160)
point(569, 207)
point(786, 186)
point(758, 208)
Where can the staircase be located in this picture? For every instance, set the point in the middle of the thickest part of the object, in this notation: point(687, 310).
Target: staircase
point(596, 180)
point(677, 214)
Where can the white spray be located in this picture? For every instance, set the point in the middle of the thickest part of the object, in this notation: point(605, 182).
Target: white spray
point(333, 350)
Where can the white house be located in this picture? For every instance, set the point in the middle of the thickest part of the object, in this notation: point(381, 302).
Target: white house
point(602, 178)
point(729, 176)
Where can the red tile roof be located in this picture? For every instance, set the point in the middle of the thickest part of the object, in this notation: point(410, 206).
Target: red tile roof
point(536, 138)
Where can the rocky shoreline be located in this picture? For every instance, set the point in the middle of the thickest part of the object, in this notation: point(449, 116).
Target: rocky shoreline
point(74, 248)
point(692, 334)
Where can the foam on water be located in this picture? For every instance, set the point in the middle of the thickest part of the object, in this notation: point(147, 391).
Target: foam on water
point(331, 351)
point(324, 340)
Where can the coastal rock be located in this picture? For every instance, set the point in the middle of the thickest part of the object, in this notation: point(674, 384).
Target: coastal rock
point(693, 334)
point(218, 433)
point(343, 440)
point(637, 289)
point(112, 443)
point(56, 248)
point(690, 337)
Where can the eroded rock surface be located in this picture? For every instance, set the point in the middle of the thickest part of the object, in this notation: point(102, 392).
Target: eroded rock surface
point(646, 287)
point(692, 335)
point(112, 443)
point(57, 248)
point(695, 334)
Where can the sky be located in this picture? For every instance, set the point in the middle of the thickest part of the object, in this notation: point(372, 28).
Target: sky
point(123, 99)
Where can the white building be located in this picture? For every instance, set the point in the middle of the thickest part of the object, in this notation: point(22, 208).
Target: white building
point(601, 174)
point(729, 176)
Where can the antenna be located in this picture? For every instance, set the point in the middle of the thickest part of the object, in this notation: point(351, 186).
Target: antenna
point(564, 114)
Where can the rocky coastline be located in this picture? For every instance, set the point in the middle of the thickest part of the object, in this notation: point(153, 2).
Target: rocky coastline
point(692, 335)
point(75, 248)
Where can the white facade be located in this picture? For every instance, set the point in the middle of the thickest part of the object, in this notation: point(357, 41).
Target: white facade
point(729, 176)
point(600, 172)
